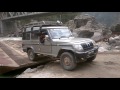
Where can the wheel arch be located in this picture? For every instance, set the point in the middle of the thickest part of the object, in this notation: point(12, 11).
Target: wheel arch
point(28, 48)
point(64, 50)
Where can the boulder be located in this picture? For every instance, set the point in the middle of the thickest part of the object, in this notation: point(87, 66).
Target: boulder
point(71, 25)
point(84, 33)
point(81, 20)
point(97, 36)
point(86, 26)
point(114, 40)
point(102, 49)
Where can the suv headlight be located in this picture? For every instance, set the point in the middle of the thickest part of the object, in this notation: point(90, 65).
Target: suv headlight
point(94, 43)
point(78, 47)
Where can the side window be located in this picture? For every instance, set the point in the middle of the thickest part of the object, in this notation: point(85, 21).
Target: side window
point(44, 31)
point(23, 35)
point(34, 33)
point(26, 34)
point(28, 29)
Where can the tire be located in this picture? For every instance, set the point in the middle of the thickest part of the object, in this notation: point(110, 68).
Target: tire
point(67, 61)
point(91, 59)
point(31, 55)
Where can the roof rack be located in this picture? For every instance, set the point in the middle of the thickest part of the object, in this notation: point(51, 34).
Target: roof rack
point(44, 23)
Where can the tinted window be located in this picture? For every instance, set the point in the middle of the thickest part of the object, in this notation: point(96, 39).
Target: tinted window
point(34, 35)
point(28, 29)
point(36, 28)
point(23, 36)
point(26, 34)
point(44, 31)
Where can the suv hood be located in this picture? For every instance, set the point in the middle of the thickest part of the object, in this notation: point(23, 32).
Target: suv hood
point(72, 40)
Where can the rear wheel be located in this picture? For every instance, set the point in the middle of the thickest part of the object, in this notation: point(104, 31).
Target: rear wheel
point(31, 55)
point(67, 61)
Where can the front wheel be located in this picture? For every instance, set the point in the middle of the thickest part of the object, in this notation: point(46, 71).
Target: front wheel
point(67, 61)
point(31, 55)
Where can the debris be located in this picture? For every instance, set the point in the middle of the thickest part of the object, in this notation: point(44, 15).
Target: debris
point(40, 67)
point(117, 47)
point(86, 26)
point(29, 70)
point(102, 49)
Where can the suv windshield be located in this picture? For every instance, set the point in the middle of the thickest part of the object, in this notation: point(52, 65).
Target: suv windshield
point(60, 33)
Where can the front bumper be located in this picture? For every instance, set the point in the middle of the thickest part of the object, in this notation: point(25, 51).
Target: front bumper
point(86, 54)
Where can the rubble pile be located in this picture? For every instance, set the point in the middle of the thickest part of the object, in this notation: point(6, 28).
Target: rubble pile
point(86, 26)
point(113, 45)
point(115, 42)
point(71, 25)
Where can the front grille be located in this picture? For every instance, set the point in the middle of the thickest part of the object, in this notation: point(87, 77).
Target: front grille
point(87, 46)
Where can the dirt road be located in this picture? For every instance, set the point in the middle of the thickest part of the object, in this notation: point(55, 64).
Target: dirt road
point(12, 57)
point(104, 66)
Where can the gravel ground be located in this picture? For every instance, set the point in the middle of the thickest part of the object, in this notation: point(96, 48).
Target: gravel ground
point(104, 66)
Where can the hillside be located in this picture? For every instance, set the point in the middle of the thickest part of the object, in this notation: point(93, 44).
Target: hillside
point(107, 18)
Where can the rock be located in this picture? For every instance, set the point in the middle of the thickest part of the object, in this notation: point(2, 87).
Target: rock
point(112, 40)
point(117, 38)
point(109, 63)
point(29, 70)
point(117, 43)
point(116, 51)
point(117, 47)
point(97, 36)
point(102, 49)
point(81, 20)
point(85, 26)
point(115, 28)
point(75, 34)
point(85, 34)
point(104, 46)
point(40, 67)
point(71, 25)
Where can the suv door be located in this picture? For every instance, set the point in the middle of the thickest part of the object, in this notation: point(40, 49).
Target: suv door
point(34, 38)
point(45, 47)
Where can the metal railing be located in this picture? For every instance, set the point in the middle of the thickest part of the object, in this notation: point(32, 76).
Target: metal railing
point(10, 15)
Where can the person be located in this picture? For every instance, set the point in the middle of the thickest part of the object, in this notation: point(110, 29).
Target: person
point(42, 37)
